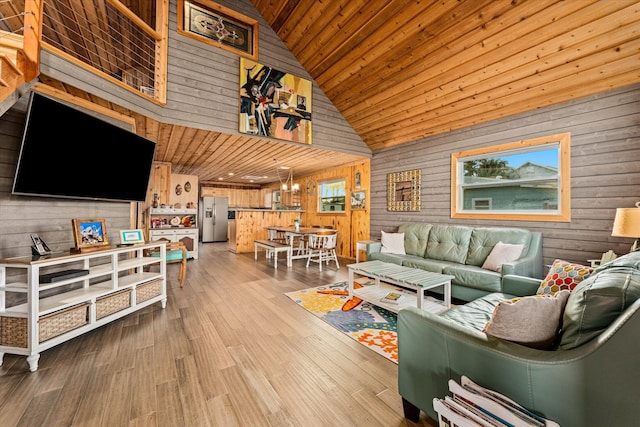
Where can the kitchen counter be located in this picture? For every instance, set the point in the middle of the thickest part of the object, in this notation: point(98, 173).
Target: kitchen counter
point(265, 210)
point(251, 224)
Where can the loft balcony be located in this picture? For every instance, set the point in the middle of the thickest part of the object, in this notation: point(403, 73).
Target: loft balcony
point(110, 40)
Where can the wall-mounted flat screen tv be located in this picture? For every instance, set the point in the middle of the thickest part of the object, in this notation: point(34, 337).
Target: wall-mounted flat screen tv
point(68, 153)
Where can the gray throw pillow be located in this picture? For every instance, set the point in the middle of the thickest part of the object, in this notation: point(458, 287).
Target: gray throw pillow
point(533, 321)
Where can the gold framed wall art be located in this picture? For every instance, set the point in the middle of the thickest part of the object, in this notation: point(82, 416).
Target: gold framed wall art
point(403, 191)
point(219, 26)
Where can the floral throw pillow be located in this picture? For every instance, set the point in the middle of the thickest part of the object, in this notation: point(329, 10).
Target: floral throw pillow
point(563, 275)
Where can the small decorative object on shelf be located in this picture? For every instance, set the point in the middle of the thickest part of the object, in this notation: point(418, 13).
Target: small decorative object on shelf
point(89, 235)
point(156, 200)
point(131, 237)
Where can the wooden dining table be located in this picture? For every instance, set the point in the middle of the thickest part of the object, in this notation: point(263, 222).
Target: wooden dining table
point(299, 252)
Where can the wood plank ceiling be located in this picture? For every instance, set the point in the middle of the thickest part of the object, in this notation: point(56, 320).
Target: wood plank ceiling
point(401, 70)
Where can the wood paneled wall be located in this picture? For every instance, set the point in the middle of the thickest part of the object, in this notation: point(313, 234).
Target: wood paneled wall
point(605, 171)
point(352, 225)
point(203, 85)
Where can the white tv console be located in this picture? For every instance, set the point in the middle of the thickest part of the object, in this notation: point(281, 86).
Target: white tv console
point(115, 285)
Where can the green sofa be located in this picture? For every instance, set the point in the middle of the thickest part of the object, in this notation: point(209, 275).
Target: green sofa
point(590, 377)
point(460, 251)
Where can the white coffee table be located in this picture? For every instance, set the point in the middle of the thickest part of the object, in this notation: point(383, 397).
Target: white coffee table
point(412, 281)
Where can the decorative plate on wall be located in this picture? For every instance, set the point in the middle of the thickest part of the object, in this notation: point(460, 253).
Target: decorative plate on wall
point(178, 189)
point(311, 187)
point(187, 186)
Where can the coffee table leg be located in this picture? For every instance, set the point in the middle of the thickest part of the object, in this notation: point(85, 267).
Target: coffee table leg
point(420, 297)
point(350, 283)
point(447, 294)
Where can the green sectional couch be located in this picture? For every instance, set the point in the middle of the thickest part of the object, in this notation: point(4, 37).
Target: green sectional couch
point(461, 251)
point(588, 377)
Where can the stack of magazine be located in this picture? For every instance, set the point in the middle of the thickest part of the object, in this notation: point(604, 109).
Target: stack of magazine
point(473, 405)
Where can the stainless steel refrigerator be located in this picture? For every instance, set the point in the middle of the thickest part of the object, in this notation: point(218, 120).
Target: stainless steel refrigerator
point(213, 214)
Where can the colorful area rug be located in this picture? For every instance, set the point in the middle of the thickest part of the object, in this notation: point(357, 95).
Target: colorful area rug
point(366, 323)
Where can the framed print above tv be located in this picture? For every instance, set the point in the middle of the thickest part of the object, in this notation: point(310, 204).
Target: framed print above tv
point(219, 26)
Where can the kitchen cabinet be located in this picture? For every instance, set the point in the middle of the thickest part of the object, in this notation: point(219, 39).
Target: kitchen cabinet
point(175, 225)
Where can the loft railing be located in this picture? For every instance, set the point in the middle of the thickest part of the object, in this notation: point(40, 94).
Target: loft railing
point(110, 40)
point(106, 38)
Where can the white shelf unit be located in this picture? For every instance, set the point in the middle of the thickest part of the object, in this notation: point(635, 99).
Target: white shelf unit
point(114, 276)
point(159, 227)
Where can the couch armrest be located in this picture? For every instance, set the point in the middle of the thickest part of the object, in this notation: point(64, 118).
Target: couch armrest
point(373, 248)
point(519, 285)
point(530, 264)
point(593, 379)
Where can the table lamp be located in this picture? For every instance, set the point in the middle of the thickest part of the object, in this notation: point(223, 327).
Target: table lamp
point(627, 224)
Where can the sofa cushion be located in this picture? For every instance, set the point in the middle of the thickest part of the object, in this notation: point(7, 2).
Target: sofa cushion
point(477, 313)
point(416, 236)
point(449, 243)
point(563, 275)
point(501, 253)
point(533, 321)
point(434, 265)
point(474, 277)
point(386, 257)
point(392, 243)
point(600, 299)
point(484, 239)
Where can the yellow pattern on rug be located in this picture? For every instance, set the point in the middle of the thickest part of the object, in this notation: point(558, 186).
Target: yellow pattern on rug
point(372, 326)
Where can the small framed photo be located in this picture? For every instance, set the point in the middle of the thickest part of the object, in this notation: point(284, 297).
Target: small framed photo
point(90, 233)
point(358, 200)
point(131, 237)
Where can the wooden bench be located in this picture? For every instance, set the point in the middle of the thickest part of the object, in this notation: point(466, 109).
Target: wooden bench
point(274, 247)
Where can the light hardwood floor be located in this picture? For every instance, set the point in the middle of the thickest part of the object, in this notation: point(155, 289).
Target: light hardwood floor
point(230, 349)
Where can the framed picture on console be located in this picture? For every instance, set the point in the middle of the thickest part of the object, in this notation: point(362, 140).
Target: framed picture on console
point(131, 237)
point(90, 234)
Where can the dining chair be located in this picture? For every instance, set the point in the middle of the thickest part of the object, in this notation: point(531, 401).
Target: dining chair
point(176, 252)
point(322, 248)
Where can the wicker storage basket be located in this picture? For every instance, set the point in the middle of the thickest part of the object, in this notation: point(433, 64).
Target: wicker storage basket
point(59, 322)
point(13, 331)
point(148, 290)
point(113, 303)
